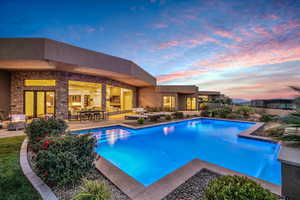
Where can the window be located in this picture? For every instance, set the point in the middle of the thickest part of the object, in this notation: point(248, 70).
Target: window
point(203, 98)
point(118, 99)
point(169, 102)
point(191, 103)
point(84, 96)
point(40, 83)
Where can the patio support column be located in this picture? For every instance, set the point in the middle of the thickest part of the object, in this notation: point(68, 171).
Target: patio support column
point(62, 92)
point(103, 96)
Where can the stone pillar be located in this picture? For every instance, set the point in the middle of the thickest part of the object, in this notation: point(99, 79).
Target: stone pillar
point(62, 93)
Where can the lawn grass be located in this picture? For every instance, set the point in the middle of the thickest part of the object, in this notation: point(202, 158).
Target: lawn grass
point(13, 184)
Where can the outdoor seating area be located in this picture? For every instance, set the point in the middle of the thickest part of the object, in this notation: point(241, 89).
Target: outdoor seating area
point(91, 115)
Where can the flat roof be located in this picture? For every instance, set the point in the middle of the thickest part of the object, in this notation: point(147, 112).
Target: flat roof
point(183, 89)
point(46, 54)
point(209, 93)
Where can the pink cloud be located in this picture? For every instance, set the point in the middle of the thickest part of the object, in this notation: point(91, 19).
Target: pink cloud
point(261, 31)
point(226, 34)
point(272, 16)
point(168, 44)
point(160, 26)
point(176, 75)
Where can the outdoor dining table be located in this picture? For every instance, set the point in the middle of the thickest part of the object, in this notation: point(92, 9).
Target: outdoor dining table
point(91, 115)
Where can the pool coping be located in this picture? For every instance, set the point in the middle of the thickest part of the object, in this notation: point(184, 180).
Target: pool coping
point(170, 182)
point(164, 186)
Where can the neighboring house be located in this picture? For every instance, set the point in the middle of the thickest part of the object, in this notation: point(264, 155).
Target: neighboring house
point(41, 77)
point(169, 97)
point(209, 96)
point(286, 104)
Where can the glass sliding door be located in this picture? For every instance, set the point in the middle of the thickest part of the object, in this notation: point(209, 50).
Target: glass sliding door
point(118, 99)
point(191, 103)
point(29, 104)
point(39, 103)
point(169, 103)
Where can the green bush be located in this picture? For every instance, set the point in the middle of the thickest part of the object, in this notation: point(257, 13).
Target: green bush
point(221, 112)
point(41, 128)
point(91, 190)
point(292, 118)
point(266, 118)
point(141, 121)
point(236, 187)
point(205, 113)
point(233, 115)
point(168, 117)
point(153, 118)
point(64, 160)
point(245, 111)
point(178, 115)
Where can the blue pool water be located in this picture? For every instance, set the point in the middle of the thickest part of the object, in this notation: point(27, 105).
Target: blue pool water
point(149, 154)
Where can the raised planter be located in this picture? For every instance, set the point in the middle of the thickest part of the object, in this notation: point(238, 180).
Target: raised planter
point(289, 157)
point(43, 189)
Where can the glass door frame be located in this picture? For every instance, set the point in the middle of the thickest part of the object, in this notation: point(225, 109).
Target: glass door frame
point(35, 108)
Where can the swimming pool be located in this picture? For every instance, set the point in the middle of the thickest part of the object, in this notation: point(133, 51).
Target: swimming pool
point(149, 154)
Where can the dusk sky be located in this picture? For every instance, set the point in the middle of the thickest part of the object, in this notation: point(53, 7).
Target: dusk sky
point(246, 49)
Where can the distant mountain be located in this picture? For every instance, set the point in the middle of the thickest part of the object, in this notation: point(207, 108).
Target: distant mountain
point(240, 101)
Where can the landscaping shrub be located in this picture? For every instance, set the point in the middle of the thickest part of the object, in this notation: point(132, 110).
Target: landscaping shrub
point(276, 131)
point(64, 160)
point(168, 117)
point(205, 113)
point(203, 106)
point(244, 111)
point(266, 118)
point(153, 118)
point(221, 112)
point(141, 121)
point(233, 115)
point(236, 187)
point(92, 190)
point(178, 115)
point(292, 118)
point(41, 128)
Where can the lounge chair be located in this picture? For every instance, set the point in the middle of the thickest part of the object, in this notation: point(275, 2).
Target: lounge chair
point(135, 117)
point(17, 122)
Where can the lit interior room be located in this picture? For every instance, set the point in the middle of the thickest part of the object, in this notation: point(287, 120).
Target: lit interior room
point(118, 99)
point(84, 96)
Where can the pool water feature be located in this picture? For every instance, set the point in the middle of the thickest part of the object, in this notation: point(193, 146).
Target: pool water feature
point(149, 154)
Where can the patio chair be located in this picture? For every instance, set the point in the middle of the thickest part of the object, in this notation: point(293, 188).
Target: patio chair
point(17, 122)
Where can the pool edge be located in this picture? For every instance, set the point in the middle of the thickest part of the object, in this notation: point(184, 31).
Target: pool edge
point(165, 185)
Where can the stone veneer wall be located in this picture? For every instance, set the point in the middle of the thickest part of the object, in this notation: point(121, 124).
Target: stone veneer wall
point(4, 92)
point(61, 88)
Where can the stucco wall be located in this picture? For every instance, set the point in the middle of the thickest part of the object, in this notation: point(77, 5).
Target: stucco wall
point(149, 96)
point(4, 91)
point(61, 88)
